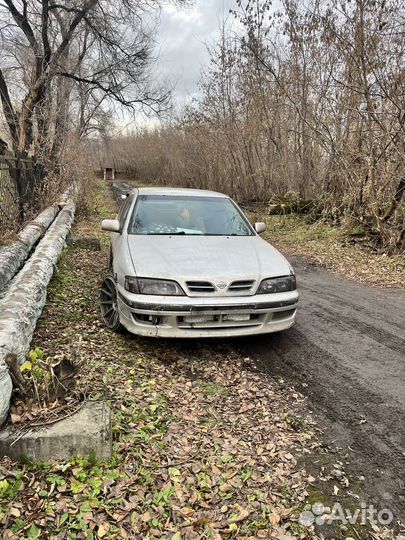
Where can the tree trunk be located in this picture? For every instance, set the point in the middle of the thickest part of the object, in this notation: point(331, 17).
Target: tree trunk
point(9, 112)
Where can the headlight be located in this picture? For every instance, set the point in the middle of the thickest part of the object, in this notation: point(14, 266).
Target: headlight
point(279, 284)
point(158, 287)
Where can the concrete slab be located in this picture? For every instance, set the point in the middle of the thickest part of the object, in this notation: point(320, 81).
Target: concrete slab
point(86, 432)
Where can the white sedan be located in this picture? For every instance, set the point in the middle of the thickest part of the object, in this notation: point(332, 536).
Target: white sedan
point(187, 263)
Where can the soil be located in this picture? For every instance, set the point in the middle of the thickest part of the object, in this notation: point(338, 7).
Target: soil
point(345, 354)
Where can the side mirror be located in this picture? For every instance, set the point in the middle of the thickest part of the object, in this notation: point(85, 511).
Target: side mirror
point(260, 227)
point(111, 225)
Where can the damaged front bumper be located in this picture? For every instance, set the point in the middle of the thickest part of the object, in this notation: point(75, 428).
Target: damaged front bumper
point(191, 317)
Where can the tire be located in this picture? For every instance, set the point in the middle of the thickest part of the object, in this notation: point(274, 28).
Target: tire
point(109, 306)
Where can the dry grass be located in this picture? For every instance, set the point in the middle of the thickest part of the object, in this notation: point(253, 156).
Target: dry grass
point(333, 248)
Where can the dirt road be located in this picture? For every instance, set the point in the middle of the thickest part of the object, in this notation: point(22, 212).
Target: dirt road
point(346, 354)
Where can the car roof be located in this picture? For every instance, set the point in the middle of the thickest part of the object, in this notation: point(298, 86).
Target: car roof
point(179, 191)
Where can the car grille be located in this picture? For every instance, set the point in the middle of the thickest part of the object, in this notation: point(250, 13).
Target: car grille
point(206, 287)
point(238, 286)
point(200, 286)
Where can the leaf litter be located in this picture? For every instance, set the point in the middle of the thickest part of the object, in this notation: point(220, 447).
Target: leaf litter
point(204, 446)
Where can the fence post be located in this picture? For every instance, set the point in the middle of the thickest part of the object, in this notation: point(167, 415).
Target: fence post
point(19, 188)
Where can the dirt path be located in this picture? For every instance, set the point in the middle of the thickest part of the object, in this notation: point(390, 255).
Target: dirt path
point(346, 354)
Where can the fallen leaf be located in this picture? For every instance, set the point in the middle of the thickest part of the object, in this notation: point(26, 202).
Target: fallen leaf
point(103, 529)
point(14, 512)
point(274, 519)
point(242, 514)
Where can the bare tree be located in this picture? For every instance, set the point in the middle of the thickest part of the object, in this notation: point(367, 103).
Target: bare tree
point(103, 48)
point(308, 98)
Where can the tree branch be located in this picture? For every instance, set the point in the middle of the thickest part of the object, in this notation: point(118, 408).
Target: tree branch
point(72, 27)
point(9, 113)
point(44, 32)
point(22, 21)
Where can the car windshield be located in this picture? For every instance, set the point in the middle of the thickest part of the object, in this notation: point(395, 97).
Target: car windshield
point(187, 215)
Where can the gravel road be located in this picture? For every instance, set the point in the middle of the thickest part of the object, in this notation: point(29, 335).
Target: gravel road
point(346, 354)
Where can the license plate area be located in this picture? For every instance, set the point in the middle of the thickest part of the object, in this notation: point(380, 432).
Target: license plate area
point(217, 321)
point(237, 317)
point(193, 319)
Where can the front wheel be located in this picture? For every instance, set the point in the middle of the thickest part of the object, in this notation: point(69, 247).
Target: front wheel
point(109, 305)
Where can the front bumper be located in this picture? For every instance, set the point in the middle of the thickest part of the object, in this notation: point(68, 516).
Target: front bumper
point(191, 317)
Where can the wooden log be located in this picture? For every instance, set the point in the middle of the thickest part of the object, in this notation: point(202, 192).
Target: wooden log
point(24, 299)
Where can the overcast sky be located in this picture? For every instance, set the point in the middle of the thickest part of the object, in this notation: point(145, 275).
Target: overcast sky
point(182, 38)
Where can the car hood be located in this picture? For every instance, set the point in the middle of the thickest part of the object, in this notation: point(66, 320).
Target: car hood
point(183, 258)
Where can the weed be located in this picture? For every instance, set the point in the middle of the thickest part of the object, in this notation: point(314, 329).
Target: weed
point(296, 423)
point(213, 389)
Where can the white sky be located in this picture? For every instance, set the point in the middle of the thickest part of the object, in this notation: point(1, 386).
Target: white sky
point(181, 51)
point(182, 38)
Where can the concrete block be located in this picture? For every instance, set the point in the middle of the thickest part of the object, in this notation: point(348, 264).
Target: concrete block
point(86, 432)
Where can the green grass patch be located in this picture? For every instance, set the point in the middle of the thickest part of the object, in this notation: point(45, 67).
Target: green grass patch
point(213, 389)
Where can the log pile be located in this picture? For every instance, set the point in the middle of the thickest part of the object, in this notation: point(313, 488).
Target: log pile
point(23, 300)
